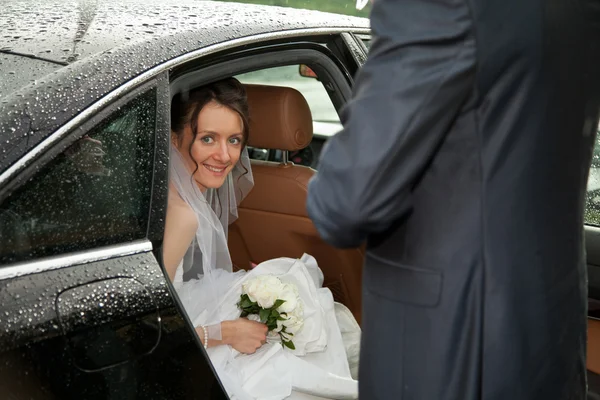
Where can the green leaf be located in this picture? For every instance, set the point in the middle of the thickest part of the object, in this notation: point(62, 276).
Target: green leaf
point(280, 318)
point(264, 315)
point(289, 344)
point(278, 303)
point(244, 302)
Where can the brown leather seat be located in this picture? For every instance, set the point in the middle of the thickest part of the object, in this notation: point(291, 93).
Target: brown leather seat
point(273, 221)
point(593, 346)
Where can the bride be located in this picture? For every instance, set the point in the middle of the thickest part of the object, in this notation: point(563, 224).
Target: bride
point(209, 176)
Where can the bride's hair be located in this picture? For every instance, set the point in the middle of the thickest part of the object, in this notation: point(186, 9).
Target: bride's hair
point(186, 106)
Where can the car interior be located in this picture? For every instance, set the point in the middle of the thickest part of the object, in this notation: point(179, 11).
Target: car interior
point(283, 147)
point(70, 176)
point(281, 120)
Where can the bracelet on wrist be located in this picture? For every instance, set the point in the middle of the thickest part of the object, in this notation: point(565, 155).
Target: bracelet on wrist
point(205, 337)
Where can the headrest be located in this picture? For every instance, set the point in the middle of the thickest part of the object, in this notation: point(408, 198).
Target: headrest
point(280, 118)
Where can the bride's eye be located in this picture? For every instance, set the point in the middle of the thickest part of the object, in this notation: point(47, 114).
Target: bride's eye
point(207, 139)
point(235, 140)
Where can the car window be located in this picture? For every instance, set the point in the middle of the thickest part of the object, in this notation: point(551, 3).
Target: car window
point(97, 192)
point(592, 209)
point(326, 121)
point(312, 89)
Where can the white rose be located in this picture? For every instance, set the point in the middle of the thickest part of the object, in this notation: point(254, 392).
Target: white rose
point(278, 328)
point(279, 325)
point(263, 290)
point(250, 287)
point(292, 325)
point(291, 297)
point(286, 336)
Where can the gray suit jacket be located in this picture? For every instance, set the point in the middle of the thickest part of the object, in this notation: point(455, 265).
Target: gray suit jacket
point(463, 164)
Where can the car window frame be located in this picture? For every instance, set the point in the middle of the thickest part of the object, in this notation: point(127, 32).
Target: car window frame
point(320, 54)
point(269, 56)
point(70, 136)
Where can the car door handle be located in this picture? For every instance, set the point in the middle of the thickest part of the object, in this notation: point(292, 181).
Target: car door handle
point(108, 322)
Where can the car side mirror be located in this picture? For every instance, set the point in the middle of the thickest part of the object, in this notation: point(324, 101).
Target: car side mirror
point(307, 72)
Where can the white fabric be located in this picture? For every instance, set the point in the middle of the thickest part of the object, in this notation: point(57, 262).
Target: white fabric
point(319, 366)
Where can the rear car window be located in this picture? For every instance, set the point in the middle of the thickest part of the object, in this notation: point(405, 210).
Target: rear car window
point(95, 193)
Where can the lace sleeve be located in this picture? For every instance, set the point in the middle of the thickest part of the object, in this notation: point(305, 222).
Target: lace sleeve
point(214, 332)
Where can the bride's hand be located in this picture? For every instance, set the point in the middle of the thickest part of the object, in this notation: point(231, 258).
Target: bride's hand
point(244, 335)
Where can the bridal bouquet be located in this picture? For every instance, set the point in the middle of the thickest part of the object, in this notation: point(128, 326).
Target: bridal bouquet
point(274, 303)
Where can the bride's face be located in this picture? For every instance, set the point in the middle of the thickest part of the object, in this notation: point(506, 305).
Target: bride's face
point(217, 146)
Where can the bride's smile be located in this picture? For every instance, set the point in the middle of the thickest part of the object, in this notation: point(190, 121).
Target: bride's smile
point(216, 170)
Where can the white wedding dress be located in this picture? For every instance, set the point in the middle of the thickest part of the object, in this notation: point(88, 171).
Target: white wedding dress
point(324, 364)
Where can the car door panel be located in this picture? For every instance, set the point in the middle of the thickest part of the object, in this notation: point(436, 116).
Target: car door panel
point(88, 312)
point(593, 386)
point(103, 330)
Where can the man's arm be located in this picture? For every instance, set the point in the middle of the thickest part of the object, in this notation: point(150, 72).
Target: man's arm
point(418, 75)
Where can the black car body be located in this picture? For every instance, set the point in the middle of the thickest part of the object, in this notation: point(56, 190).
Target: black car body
point(87, 311)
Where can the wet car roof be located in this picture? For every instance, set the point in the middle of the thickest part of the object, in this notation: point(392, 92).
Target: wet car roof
point(17, 70)
point(54, 33)
point(59, 57)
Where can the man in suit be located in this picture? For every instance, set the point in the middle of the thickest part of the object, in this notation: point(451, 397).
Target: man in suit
point(463, 165)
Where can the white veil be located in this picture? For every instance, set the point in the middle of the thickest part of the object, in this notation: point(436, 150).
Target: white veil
point(207, 257)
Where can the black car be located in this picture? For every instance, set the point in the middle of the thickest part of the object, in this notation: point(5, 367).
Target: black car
point(86, 309)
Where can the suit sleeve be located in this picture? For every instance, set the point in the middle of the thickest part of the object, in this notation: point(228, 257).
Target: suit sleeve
point(418, 76)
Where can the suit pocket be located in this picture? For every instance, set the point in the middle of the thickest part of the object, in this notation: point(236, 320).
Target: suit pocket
point(402, 283)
